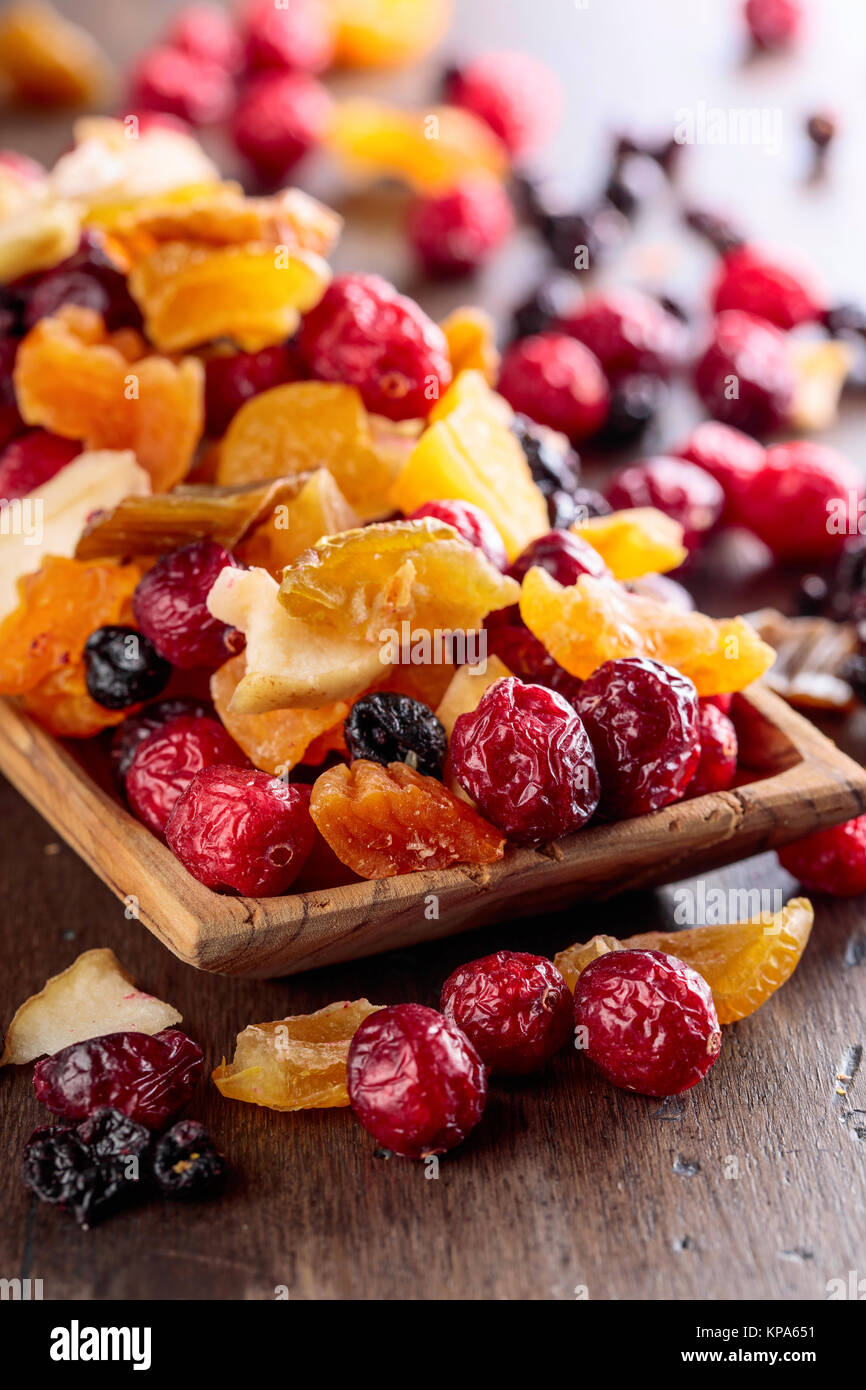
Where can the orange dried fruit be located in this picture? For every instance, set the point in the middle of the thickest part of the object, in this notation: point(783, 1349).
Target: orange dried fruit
point(62, 705)
point(294, 1063)
point(384, 33)
point(47, 61)
point(70, 379)
point(635, 541)
point(431, 150)
point(279, 740)
point(318, 509)
point(382, 821)
point(471, 337)
point(253, 293)
point(596, 620)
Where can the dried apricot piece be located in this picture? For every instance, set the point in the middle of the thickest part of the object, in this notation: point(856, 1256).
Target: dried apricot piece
point(596, 620)
point(279, 740)
point(47, 61)
point(635, 541)
point(430, 150)
point(382, 33)
point(471, 337)
point(383, 821)
point(62, 705)
point(294, 1063)
point(318, 509)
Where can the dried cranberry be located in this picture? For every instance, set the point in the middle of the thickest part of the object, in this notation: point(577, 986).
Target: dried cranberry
point(147, 1077)
point(91, 1169)
point(717, 766)
point(90, 278)
point(415, 1081)
point(745, 377)
point(365, 334)
point(385, 727)
point(642, 718)
point(457, 231)
point(136, 728)
point(206, 32)
point(232, 378)
point(804, 502)
point(281, 117)
point(182, 84)
point(170, 607)
point(242, 831)
point(556, 381)
point(647, 1021)
point(526, 656)
point(733, 458)
point(627, 331)
point(563, 555)
point(682, 490)
point(299, 36)
point(518, 96)
point(773, 23)
point(757, 284)
point(33, 460)
point(473, 524)
point(516, 1009)
point(830, 861)
point(164, 764)
point(524, 756)
point(186, 1164)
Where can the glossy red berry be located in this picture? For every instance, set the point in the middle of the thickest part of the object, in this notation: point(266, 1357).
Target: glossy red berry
point(773, 23)
point(206, 32)
point(805, 501)
point(473, 524)
point(298, 35)
point(679, 489)
point(232, 378)
point(164, 764)
point(556, 381)
point(170, 607)
point(242, 831)
point(32, 460)
point(717, 765)
point(733, 458)
point(830, 861)
point(628, 331)
point(519, 97)
point(759, 284)
point(365, 334)
point(515, 1008)
point(524, 756)
point(647, 1021)
point(415, 1081)
point(457, 231)
point(171, 80)
point(642, 719)
point(744, 377)
point(137, 727)
point(563, 555)
point(148, 1077)
point(281, 117)
point(526, 657)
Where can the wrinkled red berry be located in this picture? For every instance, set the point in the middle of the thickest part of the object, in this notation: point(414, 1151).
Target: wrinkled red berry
point(647, 1021)
point(457, 231)
point(365, 334)
point(415, 1081)
point(88, 278)
point(473, 524)
point(745, 377)
point(33, 460)
point(297, 35)
point(627, 331)
point(164, 764)
point(516, 1009)
point(717, 765)
point(519, 97)
point(170, 607)
point(280, 118)
point(239, 830)
point(773, 23)
point(722, 702)
point(556, 381)
point(642, 719)
point(136, 728)
point(830, 861)
point(206, 32)
point(805, 501)
point(169, 79)
point(526, 657)
point(232, 378)
point(733, 458)
point(563, 555)
point(680, 489)
point(757, 284)
point(524, 756)
point(147, 1077)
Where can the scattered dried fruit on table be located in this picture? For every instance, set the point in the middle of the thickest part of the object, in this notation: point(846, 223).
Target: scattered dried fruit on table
point(92, 996)
point(471, 337)
point(429, 149)
point(47, 61)
point(294, 1063)
point(386, 33)
point(90, 1169)
point(275, 742)
point(635, 541)
point(515, 1009)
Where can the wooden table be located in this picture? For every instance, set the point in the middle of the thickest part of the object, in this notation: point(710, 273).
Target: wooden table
point(749, 1186)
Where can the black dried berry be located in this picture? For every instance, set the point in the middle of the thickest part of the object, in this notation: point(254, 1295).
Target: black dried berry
point(634, 404)
point(552, 461)
point(89, 1169)
point(553, 298)
point(589, 503)
point(137, 727)
point(389, 728)
point(722, 235)
point(121, 667)
point(581, 240)
point(186, 1163)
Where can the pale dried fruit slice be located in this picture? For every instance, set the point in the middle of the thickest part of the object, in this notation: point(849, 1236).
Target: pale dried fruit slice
point(467, 686)
point(290, 664)
point(93, 996)
point(429, 149)
point(113, 165)
point(821, 369)
point(294, 1063)
point(635, 541)
point(278, 741)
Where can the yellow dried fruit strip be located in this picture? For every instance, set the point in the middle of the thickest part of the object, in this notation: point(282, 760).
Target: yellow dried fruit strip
point(635, 542)
point(430, 150)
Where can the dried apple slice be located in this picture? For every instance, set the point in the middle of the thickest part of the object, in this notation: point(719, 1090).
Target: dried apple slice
point(37, 236)
point(317, 509)
point(635, 541)
point(93, 996)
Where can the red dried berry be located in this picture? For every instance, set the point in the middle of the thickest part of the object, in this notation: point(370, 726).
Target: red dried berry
point(279, 119)
point(33, 460)
point(232, 378)
point(164, 764)
point(11, 423)
point(525, 656)
point(722, 702)
point(647, 1021)
point(147, 1077)
point(745, 377)
point(206, 32)
point(805, 501)
point(733, 458)
point(456, 232)
point(628, 332)
point(757, 284)
point(170, 607)
point(642, 718)
point(562, 555)
point(717, 765)
point(242, 831)
point(415, 1081)
point(680, 489)
point(137, 727)
point(830, 861)
point(556, 381)
point(365, 334)
point(171, 80)
point(297, 35)
point(773, 23)
point(473, 524)
point(524, 756)
point(516, 1009)
point(519, 97)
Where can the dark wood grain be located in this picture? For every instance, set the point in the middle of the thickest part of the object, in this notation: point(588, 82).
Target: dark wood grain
point(568, 1184)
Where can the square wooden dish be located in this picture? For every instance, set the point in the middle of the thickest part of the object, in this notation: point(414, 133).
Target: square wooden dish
point(805, 783)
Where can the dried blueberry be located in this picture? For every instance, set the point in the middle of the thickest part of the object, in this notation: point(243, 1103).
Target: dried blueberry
point(91, 1169)
point(580, 240)
point(553, 298)
point(387, 728)
point(552, 461)
point(186, 1164)
point(121, 667)
point(634, 404)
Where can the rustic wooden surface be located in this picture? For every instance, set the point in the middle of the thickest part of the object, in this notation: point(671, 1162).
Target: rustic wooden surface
point(751, 1185)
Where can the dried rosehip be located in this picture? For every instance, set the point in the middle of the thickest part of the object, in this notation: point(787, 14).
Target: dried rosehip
point(136, 728)
point(717, 766)
point(563, 555)
point(164, 764)
point(231, 378)
point(745, 377)
point(33, 460)
point(415, 1081)
point(281, 117)
point(186, 1164)
point(473, 524)
point(242, 831)
point(830, 861)
point(121, 668)
point(455, 232)
point(170, 607)
point(514, 1008)
point(627, 331)
point(91, 1169)
point(524, 756)
point(757, 284)
point(388, 728)
point(773, 23)
point(642, 718)
point(647, 1021)
point(804, 503)
point(147, 1077)
point(733, 458)
point(680, 489)
point(556, 381)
